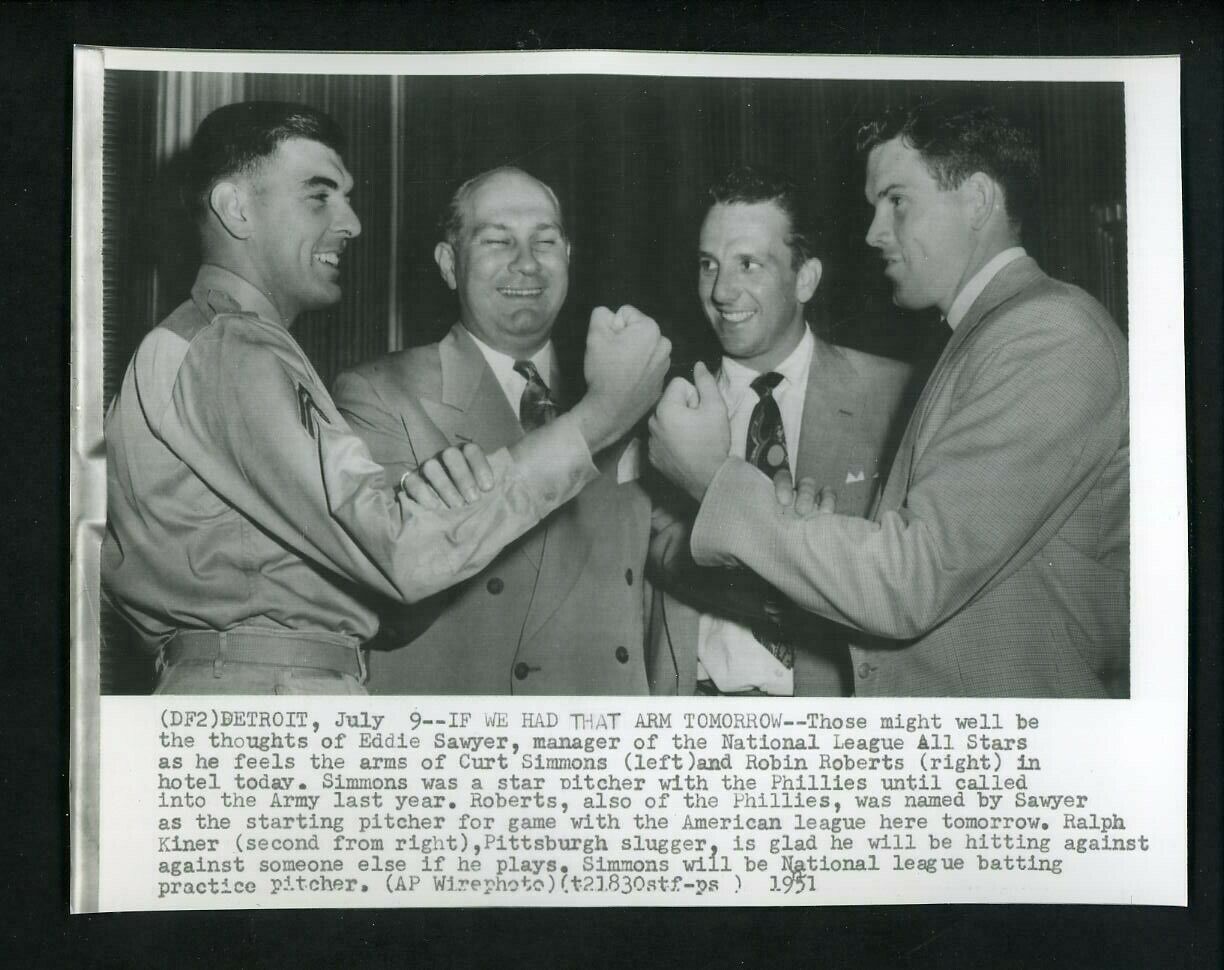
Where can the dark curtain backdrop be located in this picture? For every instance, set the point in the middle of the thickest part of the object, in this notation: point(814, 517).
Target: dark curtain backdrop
point(630, 159)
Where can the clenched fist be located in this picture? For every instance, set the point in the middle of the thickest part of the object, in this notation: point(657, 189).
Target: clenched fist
point(626, 361)
point(690, 434)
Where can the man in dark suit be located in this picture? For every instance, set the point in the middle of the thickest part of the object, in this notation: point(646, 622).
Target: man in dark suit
point(562, 610)
point(997, 560)
point(829, 414)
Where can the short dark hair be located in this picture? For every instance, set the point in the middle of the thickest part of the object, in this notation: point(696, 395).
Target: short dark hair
point(956, 139)
point(747, 186)
point(450, 223)
point(235, 139)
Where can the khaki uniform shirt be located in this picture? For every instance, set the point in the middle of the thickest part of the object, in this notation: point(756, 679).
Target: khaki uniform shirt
point(238, 497)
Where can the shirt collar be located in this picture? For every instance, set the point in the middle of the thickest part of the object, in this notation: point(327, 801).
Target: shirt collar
point(734, 379)
point(502, 364)
point(973, 289)
point(250, 299)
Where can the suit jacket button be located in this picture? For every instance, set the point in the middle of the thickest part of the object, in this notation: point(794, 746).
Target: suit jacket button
point(629, 576)
point(520, 671)
point(622, 655)
point(495, 585)
point(864, 670)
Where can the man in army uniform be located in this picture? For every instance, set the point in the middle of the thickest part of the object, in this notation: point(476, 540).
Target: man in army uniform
point(243, 515)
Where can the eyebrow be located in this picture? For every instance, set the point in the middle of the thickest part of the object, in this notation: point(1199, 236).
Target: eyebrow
point(317, 180)
point(502, 227)
point(741, 254)
point(889, 188)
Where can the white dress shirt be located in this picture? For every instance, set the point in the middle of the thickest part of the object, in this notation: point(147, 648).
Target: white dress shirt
point(727, 652)
point(973, 289)
point(511, 381)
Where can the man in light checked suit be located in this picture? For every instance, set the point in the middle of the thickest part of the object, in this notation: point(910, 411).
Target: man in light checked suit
point(832, 414)
point(997, 560)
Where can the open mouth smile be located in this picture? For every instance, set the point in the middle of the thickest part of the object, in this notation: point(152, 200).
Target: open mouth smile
point(736, 316)
point(520, 292)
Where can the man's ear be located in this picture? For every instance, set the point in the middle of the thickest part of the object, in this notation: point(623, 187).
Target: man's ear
point(807, 279)
point(981, 194)
point(228, 203)
point(444, 256)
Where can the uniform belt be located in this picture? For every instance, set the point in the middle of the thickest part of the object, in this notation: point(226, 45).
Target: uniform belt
point(281, 650)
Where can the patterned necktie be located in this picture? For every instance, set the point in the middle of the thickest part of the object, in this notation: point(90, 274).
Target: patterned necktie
point(766, 444)
point(536, 406)
point(766, 449)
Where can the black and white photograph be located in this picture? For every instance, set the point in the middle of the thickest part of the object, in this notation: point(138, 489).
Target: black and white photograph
point(667, 442)
point(422, 304)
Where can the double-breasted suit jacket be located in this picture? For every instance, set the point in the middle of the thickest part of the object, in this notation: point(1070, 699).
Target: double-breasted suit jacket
point(560, 611)
point(853, 414)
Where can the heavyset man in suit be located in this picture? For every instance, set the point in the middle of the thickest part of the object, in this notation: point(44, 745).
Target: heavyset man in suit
point(562, 610)
point(997, 560)
point(829, 415)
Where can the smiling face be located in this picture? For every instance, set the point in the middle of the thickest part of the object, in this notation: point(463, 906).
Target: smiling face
point(300, 223)
point(924, 233)
point(752, 294)
point(509, 264)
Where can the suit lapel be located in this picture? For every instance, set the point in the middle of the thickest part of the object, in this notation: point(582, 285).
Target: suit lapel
point(469, 383)
point(1008, 282)
point(832, 414)
point(474, 408)
point(472, 399)
point(567, 536)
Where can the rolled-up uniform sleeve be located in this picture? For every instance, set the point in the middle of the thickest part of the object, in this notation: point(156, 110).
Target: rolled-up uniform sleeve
point(252, 421)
